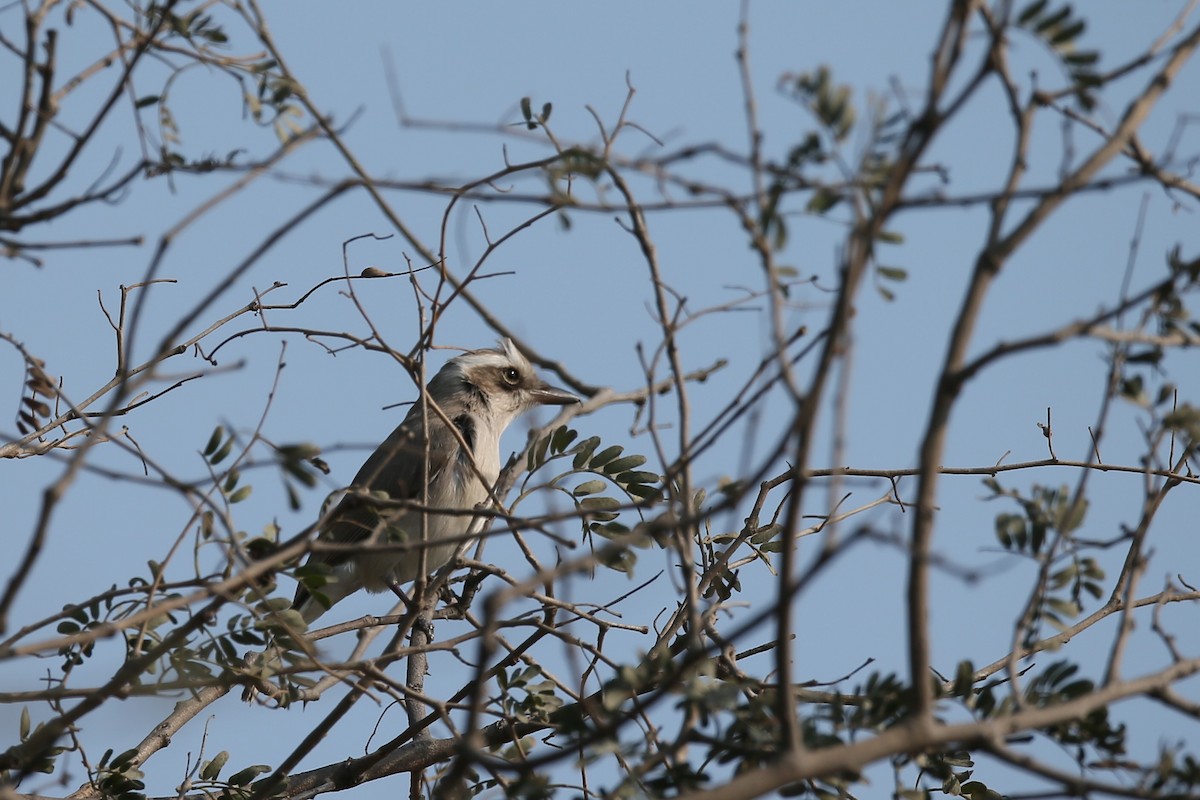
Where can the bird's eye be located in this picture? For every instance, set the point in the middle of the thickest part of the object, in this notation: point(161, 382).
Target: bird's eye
point(511, 376)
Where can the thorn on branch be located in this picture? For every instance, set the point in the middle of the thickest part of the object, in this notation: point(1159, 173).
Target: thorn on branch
point(1048, 432)
point(1095, 445)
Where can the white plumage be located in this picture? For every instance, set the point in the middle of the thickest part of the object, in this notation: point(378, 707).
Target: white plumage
point(479, 392)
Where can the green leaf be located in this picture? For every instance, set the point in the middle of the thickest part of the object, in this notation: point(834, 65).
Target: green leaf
point(622, 464)
point(609, 530)
point(1067, 608)
point(644, 477)
point(766, 534)
point(561, 439)
point(223, 453)
point(1069, 33)
point(644, 492)
point(248, 774)
point(976, 790)
point(619, 561)
point(301, 474)
point(241, 494)
point(779, 226)
point(1082, 58)
point(293, 496)
point(1037, 537)
point(212, 769)
point(1052, 21)
point(214, 440)
point(23, 725)
point(606, 455)
point(822, 200)
point(1031, 11)
point(599, 504)
point(300, 451)
point(148, 100)
point(527, 113)
point(1072, 516)
point(890, 237)
point(601, 509)
point(589, 487)
point(1010, 530)
point(537, 453)
point(893, 273)
point(584, 450)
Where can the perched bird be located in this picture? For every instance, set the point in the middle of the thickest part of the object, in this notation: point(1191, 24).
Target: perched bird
point(424, 461)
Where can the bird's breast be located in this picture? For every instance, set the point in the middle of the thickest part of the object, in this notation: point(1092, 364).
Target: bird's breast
point(457, 488)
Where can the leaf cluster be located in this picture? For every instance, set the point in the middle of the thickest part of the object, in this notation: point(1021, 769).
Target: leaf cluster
point(1060, 29)
point(598, 510)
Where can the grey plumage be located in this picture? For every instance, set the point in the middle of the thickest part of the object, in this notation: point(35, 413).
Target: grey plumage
point(480, 392)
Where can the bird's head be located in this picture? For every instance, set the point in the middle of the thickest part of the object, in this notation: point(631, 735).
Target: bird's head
point(496, 383)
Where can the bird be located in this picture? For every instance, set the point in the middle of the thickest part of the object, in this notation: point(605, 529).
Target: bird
point(431, 464)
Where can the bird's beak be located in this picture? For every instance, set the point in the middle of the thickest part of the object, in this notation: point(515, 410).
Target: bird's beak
point(549, 395)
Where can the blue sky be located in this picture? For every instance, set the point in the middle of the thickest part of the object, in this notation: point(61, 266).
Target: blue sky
point(581, 296)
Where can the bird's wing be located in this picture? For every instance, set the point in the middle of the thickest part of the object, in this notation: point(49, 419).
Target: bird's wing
point(399, 468)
